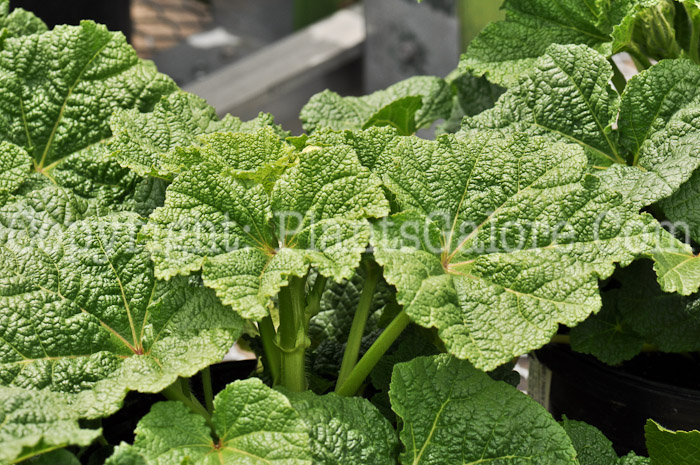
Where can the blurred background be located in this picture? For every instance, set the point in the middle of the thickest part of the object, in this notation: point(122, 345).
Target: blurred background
point(247, 56)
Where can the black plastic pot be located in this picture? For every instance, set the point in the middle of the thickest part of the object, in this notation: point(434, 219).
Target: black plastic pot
point(614, 399)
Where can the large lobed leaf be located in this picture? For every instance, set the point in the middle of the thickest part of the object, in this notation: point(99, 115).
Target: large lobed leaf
point(454, 413)
point(668, 447)
point(567, 97)
point(19, 22)
point(507, 49)
point(59, 88)
point(255, 425)
point(408, 105)
point(35, 422)
point(638, 312)
point(501, 239)
point(142, 141)
point(345, 430)
point(248, 237)
point(83, 313)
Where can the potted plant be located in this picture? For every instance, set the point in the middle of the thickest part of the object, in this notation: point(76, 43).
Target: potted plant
point(385, 281)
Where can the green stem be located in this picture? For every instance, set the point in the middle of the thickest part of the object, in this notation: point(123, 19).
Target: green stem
point(313, 301)
point(185, 386)
point(639, 59)
point(372, 356)
point(208, 390)
point(174, 392)
point(292, 339)
point(618, 78)
point(359, 321)
point(272, 352)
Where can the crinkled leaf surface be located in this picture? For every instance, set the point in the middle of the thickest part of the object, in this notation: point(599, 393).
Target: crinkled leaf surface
point(345, 430)
point(328, 109)
point(592, 447)
point(639, 312)
point(59, 88)
point(567, 97)
point(499, 222)
point(504, 50)
point(369, 144)
point(683, 206)
point(255, 425)
point(14, 166)
point(677, 267)
point(248, 239)
point(454, 413)
point(413, 342)
point(472, 96)
point(34, 422)
point(668, 447)
point(633, 459)
point(19, 22)
point(607, 335)
point(142, 140)
point(83, 313)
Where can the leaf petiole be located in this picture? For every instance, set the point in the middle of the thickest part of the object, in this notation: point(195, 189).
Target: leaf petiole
point(291, 337)
point(174, 392)
point(373, 354)
point(272, 352)
point(208, 390)
point(357, 330)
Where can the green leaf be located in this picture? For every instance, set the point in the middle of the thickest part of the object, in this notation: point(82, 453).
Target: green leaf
point(505, 50)
point(84, 313)
point(14, 166)
point(369, 144)
point(399, 114)
point(152, 143)
point(58, 89)
point(19, 22)
point(658, 127)
point(454, 413)
point(633, 459)
point(345, 430)
point(668, 447)
point(592, 447)
point(683, 207)
point(639, 312)
point(607, 335)
point(473, 95)
point(566, 96)
point(92, 174)
point(60, 456)
point(35, 422)
point(493, 221)
point(653, 97)
point(328, 109)
point(256, 425)
point(677, 267)
point(413, 342)
point(248, 241)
